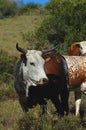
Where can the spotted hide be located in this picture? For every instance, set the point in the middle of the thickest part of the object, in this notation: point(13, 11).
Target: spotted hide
point(77, 78)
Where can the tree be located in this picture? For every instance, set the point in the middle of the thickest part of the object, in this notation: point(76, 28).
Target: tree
point(71, 15)
point(7, 8)
point(66, 23)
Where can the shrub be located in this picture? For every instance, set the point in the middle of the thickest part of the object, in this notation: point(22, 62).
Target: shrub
point(65, 24)
point(67, 123)
point(7, 92)
point(29, 122)
point(7, 8)
point(7, 65)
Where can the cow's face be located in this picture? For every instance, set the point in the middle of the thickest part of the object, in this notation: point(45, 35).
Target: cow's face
point(83, 47)
point(33, 69)
point(78, 48)
point(74, 49)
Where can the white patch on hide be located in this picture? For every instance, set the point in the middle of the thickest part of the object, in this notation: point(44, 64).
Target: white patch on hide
point(77, 103)
point(83, 47)
point(83, 87)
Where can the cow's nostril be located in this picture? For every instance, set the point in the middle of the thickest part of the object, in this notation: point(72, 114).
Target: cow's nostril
point(45, 80)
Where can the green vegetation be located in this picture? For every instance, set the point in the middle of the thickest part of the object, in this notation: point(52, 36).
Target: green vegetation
point(65, 24)
point(40, 28)
point(6, 67)
point(13, 30)
point(11, 8)
point(7, 8)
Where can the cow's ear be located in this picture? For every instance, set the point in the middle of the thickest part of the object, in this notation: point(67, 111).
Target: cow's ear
point(23, 58)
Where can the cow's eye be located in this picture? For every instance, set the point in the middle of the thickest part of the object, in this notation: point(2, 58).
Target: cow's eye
point(32, 63)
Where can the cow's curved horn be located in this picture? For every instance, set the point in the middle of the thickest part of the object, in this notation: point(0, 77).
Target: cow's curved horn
point(46, 51)
point(20, 49)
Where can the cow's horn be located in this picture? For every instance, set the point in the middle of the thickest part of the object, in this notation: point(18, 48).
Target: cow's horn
point(20, 49)
point(46, 51)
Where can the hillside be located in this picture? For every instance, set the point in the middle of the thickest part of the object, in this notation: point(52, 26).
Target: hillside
point(13, 29)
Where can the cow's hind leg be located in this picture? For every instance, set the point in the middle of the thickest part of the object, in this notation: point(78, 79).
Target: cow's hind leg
point(77, 104)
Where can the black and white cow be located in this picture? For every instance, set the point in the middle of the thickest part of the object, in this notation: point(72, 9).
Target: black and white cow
point(29, 72)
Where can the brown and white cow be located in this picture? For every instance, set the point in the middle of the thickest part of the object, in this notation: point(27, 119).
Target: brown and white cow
point(77, 48)
point(77, 78)
point(45, 68)
point(76, 73)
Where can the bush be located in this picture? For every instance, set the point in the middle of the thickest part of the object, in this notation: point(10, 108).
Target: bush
point(28, 8)
point(28, 122)
point(71, 17)
point(7, 8)
point(67, 123)
point(65, 24)
point(7, 91)
point(6, 77)
point(7, 65)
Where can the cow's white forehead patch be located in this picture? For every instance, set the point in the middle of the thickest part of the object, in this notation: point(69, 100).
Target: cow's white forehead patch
point(83, 87)
point(33, 52)
point(35, 57)
point(83, 47)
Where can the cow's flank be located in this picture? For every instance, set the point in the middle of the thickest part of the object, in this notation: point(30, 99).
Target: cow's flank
point(77, 78)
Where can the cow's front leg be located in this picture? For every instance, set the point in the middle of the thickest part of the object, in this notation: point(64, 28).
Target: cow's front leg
point(55, 100)
point(77, 104)
point(64, 94)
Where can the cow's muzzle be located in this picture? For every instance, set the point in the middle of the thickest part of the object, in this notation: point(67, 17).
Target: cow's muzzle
point(43, 81)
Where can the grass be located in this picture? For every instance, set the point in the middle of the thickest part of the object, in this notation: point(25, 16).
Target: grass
point(13, 29)
point(13, 118)
point(10, 112)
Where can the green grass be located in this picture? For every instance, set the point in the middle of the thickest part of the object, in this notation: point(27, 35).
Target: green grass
point(13, 29)
point(10, 112)
point(13, 118)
